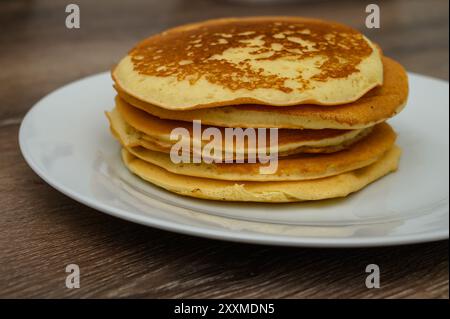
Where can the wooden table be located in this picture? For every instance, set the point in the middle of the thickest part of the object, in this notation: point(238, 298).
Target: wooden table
point(42, 230)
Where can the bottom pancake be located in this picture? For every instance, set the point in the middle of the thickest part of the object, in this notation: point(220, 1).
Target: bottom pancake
point(271, 192)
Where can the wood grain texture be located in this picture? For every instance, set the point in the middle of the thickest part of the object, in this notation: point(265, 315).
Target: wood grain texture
point(42, 230)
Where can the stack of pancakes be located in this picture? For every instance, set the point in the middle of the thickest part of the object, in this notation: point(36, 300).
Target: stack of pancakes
point(325, 87)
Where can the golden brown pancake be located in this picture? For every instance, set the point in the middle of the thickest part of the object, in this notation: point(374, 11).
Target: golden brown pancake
point(270, 192)
point(376, 106)
point(154, 133)
point(294, 167)
point(274, 61)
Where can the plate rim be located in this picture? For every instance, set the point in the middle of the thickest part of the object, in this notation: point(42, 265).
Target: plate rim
point(220, 234)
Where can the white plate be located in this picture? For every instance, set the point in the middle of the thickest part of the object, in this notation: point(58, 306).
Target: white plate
point(65, 139)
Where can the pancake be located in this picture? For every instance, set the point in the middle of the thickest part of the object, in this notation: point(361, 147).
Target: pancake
point(294, 167)
point(376, 106)
point(154, 134)
point(272, 192)
point(275, 61)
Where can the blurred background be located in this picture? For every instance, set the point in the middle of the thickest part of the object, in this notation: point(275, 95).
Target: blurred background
point(38, 53)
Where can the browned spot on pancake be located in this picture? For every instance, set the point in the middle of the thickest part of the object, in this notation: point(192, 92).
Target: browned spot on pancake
point(186, 52)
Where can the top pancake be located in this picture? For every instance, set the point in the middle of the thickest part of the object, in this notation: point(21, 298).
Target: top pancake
point(276, 61)
point(374, 107)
